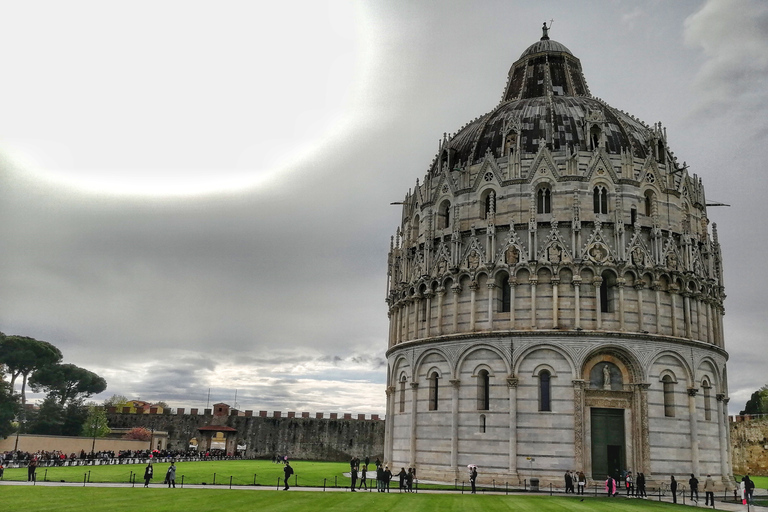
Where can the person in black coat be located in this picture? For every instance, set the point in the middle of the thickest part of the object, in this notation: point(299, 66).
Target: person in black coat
point(693, 483)
point(673, 488)
point(288, 470)
point(148, 472)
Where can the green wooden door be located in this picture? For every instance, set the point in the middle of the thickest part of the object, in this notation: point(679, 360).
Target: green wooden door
point(608, 457)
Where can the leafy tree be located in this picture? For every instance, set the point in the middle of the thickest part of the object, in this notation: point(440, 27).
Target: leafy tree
point(758, 403)
point(118, 401)
point(9, 407)
point(140, 433)
point(23, 355)
point(96, 424)
point(67, 383)
point(48, 419)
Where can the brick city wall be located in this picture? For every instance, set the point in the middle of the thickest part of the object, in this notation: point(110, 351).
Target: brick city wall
point(300, 436)
point(749, 442)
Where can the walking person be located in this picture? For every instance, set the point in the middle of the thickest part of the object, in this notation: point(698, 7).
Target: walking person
point(473, 478)
point(750, 487)
point(363, 476)
point(409, 480)
point(610, 486)
point(287, 471)
point(354, 475)
point(629, 484)
point(673, 488)
point(709, 491)
point(693, 483)
point(170, 476)
point(403, 475)
point(568, 482)
point(388, 476)
point(148, 472)
point(582, 482)
point(31, 468)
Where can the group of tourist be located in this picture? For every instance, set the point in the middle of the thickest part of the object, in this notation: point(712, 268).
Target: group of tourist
point(574, 479)
point(57, 458)
point(170, 475)
point(358, 472)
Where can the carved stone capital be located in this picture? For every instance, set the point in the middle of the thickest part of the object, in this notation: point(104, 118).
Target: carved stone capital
point(692, 391)
point(455, 383)
point(473, 286)
point(720, 397)
point(512, 381)
point(597, 281)
point(620, 282)
point(456, 289)
point(639, 286)
point(414, 385)
point(491, 286)
point(390, 390)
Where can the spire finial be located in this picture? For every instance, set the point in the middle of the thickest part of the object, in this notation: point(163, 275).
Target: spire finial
point(545, 30)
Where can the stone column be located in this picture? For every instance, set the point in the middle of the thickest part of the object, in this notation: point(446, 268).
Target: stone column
point(699, 326)
point(656, 287)
point(428, 315)
point(417, 315)
point(512, 385)
point(722, 425)
point(455, 384)
point(694, 430)
point(440, 295)
point(407, 320)
point(512, 286)
point(639, 288)
point(708, 313)
point(728, 438)
point(578, 423)
point(672, 294)
point(414, 403)
point(555, 283)
point(596, 282)
point(390, 423)
point(533, 281)
point(687, 314)
point(577, 293)
point(620, 282)
point(456, 289)
point(491, 297)
point(472, 304)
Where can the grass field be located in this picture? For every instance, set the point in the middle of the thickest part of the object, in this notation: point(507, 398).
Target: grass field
point(243, 472)
point(63, 499)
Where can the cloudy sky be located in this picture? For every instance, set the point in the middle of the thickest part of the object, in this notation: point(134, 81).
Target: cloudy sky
point(195, 196)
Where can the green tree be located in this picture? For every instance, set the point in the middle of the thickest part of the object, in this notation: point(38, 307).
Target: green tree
point(758, 403)
point(96, 424)
point(67, 383)
point(23, 355)
point(118, 401)
point(9, 408)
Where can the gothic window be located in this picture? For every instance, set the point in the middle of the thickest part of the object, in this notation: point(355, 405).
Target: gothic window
point(483, 390)
point(648, 203)
point(506, 296)
point(402, 394)
point(423, 306)
point(545, 383)
point(707, 400)
point(415, 229)
point(444, 215)
point(632, 216)
point(510, 143)
point(604, 297)
point(544, 200)
point(433, 380)
point(669, 396)
point(600, 199)
point(607, 292)
point(661, 152)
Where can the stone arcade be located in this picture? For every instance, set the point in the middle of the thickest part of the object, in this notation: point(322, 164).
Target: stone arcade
point(554, 294)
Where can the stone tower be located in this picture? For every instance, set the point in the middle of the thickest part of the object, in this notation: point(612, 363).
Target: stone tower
point(556, 297)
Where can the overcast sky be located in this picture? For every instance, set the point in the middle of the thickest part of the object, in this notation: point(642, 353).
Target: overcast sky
point(195, 195)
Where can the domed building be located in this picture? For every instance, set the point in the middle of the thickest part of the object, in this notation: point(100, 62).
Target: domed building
point(555, 297)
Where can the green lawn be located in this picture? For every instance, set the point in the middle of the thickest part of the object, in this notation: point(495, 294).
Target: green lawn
point(243, 472)
point(761, 482)
point(77, 499)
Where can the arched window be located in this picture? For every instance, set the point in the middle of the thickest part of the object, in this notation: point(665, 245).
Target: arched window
point(511, 143)
point(607, 288)
point(402, 394)
point(483, 390)
point(648, 203)
point(506, 296)
point(594, 137)
point(669, 396)
point(600, 199)
point(544, 200)
point(661, 152)
point(444, 215)
point(604, 297)
point(707, 397)
point(433, 391)
point(415, 229)
point(482, 423)
point(632, 216)
point(545, 383)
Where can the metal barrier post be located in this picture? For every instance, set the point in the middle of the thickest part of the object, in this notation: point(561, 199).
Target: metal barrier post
point(230, 481)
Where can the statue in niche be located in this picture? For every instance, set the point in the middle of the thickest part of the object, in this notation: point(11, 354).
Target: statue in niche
point(638, 258)
point(598, 253)
point(606, 377)
point(473, 260)
point(672, 261)
point(554, 254)
point(442, 266)
point(511, 255)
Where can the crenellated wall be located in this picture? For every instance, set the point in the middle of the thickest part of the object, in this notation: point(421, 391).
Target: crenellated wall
point(303, 436)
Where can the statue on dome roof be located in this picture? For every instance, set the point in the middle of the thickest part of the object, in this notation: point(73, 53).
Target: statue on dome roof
point(545, 30)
